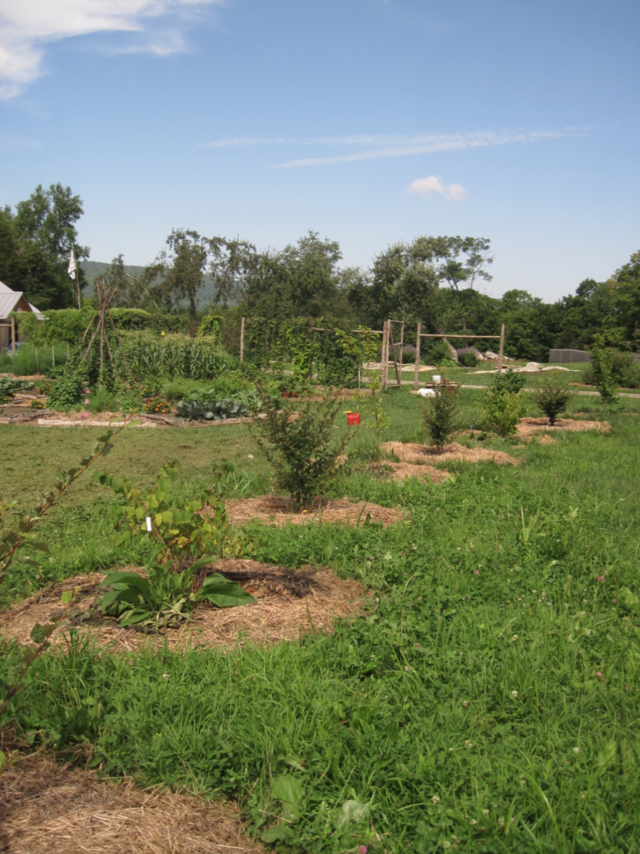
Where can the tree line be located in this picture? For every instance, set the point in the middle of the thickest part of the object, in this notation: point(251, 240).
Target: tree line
point(432, 280)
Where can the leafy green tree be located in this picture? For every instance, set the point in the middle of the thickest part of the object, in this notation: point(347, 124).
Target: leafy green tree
point(36, 245)
point(301, 281)
point(182, 265)
point(233, 265)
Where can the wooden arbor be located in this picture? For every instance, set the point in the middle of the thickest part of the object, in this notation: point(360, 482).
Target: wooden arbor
point(389, 347)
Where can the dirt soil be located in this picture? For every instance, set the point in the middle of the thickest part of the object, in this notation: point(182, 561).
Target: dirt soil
point(48, 808)
point(290, 603)
point(279, 511)
point(528, 427)
point(428, 455)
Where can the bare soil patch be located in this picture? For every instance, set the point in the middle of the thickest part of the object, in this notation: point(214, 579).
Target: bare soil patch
point(428, 455)
point(280, 511)
point(48, 808)
point(528, 427)
point(290, 603)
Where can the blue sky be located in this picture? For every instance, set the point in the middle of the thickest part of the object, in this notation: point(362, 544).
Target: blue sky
point(367, 121)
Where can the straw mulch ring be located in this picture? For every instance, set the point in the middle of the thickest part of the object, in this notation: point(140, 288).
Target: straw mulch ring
point(401, 471)
point(45, 807)
point(279, 511)
point(290, 603)
point(528, 427)
point(426, 454)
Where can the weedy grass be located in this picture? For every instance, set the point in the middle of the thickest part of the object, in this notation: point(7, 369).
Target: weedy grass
point(487, 701)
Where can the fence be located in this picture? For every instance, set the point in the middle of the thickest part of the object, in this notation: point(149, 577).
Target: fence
point(568, 356)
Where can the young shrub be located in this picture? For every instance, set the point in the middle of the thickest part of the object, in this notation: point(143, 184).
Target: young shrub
point(553, 398)
point(373, 406)
point(603, 367)
point(185, 532)
point(505, 403)
point(440, 413)
point(299, 442)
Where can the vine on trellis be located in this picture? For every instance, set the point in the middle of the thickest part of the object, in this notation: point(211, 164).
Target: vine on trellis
point(336, 354)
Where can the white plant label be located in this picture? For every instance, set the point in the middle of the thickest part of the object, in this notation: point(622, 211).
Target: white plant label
point(148, 523)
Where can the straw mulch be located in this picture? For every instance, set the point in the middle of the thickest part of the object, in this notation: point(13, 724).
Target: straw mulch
point(290, 603)
point(47, 808)
point(279, 511)
point(528, 427)
point(426, 454)
point(400, 471)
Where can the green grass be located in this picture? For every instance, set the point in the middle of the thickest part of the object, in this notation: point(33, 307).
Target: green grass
point(410, 710)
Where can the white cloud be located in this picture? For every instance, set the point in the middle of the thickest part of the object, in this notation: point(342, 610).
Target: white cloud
point(380, 146)
point(27, 26)
point(432, 184)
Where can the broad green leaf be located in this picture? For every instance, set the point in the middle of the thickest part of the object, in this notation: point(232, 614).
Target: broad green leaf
point(66, 597)
point(42, 547)
point(3, 761)
point(129, 578)
point(28, 656)
point(130, 618)
point(224, 593)
point(287, 788)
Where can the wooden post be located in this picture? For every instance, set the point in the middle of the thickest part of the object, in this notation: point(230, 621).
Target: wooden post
point(501, 349)
point(37, 364)
point(53, 357)
point(417, 376)
point(384, 358)
point(242, 339)
point(393, 356)
point(13, 336)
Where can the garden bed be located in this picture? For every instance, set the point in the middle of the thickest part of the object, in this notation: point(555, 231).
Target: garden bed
point(62, 810)
point(290, 603)
point(528, 427)
point(428, 454)
point(278, 511)
point(400, 471)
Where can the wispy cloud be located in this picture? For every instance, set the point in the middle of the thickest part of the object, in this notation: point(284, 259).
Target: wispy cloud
point(380, 146)
point(27, 26)
point(433, 184)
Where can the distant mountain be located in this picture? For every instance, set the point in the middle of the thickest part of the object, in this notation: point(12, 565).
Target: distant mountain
point(96, 268)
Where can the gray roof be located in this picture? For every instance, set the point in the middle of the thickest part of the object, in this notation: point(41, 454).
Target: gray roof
point(8, 301)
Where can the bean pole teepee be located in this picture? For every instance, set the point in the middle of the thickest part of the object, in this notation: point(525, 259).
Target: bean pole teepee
point(98, 327)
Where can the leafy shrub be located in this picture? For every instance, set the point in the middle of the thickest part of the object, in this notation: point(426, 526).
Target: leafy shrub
point(602, 365)
point(66, 393)
point(468, 360)
point(102, 400)
point(553, 398)
point(189, 534)
point(509, 381)
point(440, 412)
point(186, 528)
point(299, 443)
point(503, 410)
point(625, 372)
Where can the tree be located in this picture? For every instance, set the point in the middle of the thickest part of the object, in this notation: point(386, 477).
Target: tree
point(183, 265)
point(45, 232)
point(232, 266)
point(301, 281)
